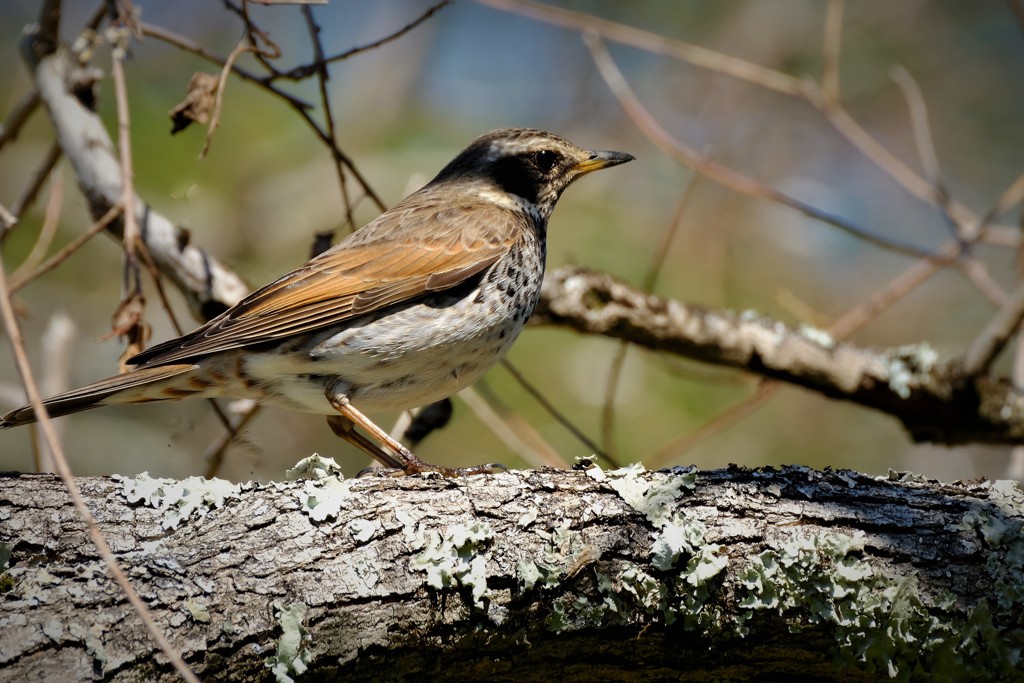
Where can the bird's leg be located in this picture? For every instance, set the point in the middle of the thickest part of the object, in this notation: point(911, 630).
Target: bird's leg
point(400, 461)
point(344, 428)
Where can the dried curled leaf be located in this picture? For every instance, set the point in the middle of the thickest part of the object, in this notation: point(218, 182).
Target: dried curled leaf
point(198, 103)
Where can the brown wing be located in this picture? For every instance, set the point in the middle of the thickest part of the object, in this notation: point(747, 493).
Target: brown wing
point(426, 249)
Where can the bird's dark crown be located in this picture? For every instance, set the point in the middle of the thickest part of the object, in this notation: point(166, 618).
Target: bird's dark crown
point(533, 165)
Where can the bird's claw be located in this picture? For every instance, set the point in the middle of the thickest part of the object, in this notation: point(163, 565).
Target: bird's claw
point(420, 467)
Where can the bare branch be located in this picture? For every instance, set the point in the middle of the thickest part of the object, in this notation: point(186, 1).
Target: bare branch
point(653, 42)
point(763, 77)
point(935, 402)
point(661, 252)
point(672, 451)
point(322, 76)
point(713, 170)
point(130, 236)
point(242, 47)
point(925, 144)
point(208, 286)
point(19, 281)
point(38, 178)
point(986, 346)
point(832, 45)
point(554, 412)
point(21, 112)
point(307, 70)
point(518, 435)
point(189, 45)
point(51, 219)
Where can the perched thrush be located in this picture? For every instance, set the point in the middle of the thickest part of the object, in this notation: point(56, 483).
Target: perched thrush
point(406, 311)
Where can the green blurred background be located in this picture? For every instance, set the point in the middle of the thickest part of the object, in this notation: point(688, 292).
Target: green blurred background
point(404, 109)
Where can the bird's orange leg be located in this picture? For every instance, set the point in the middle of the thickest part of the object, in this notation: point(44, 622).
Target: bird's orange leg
point(400, 461)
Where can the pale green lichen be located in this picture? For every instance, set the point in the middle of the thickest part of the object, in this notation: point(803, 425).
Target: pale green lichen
point(323, 499)
point(687, 567)
point(818, 336)
point(881, 623)
point(1002, 529)
point(314, 467)
point(363, 529)
point(457, 558)
point(34, 584)
point(291, 656)
point(179, 500)
point(906, 364)
point(654, 495)
point(53, 629)
point(555, 558)
point(884, 624)
point(692, 586)
point(196, 610)
point(92, 637)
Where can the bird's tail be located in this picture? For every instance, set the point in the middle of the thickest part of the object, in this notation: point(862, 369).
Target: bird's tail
point(138, 386)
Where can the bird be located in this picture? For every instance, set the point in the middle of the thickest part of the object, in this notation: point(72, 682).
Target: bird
point(404, 312)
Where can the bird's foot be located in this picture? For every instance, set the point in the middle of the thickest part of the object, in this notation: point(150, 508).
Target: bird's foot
point(416, 466)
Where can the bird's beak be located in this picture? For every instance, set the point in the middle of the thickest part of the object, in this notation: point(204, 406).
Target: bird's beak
point(598, 160)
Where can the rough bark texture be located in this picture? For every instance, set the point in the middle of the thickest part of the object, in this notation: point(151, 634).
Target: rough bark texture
point(524, 576)
point(935, 401)
point(67, 88)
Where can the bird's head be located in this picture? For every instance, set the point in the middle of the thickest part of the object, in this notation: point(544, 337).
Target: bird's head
point(524, 168)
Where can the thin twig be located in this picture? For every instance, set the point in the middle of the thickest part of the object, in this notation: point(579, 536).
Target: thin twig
point(325, 102)
point(222, 82)
point(716, 172)
point(719, 423)
point(307, 70)
point(978, 275)
point(38, 179)
point(71, 247)
point(867, 145)
point(214, 454)
point(555, 413)
point(187, 44)
point(256, 36)
point(7, 220)
point(130, 223)
point(1010, 197)
point(831, 48)
point(300, 106)
point(64, 471)
point(17, 117)
point(51, 219)
point(653, 42)
point(982, 351)
point(925, 143)
point(761, 76)
point(513, 431)
point(658, 258)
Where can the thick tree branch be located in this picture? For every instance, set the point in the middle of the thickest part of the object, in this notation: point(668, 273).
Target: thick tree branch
point(723, 574)
point(66, 88)
point(934, 401)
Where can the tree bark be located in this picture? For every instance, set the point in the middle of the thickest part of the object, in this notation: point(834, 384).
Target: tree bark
point(586, 575)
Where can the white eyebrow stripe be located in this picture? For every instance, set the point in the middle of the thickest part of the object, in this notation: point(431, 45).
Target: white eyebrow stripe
point(507, 200)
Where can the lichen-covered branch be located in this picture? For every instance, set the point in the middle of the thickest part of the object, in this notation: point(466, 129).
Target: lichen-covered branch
point(728, 574)
point(935, 401)
point(67, 90)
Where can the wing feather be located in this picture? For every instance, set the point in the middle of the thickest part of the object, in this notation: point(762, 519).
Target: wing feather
point(428, 250)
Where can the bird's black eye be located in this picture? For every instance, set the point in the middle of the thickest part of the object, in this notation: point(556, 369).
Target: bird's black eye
point(545, 160)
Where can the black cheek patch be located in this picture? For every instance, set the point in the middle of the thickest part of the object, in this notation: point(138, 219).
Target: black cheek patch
point(514, 176)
